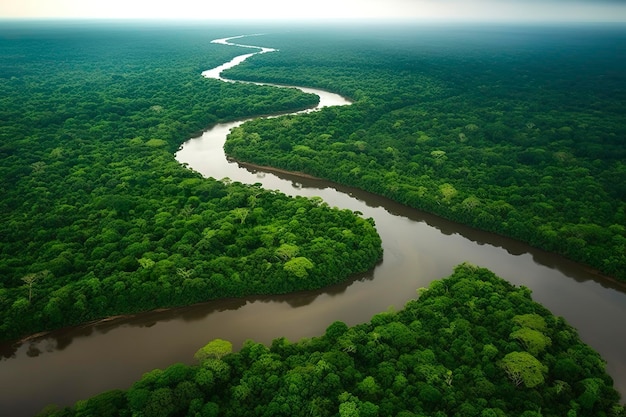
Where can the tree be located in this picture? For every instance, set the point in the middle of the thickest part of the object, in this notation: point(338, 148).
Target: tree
point(592, 392)
point(241, 213)
point(470, 203)
point(287, 251)
point(146, 263)
point(336, 330)
point(439, 156)
point(161, 403)
point(210, 409)
point(369, 387)
point(107, 404)
point(30, 279)
point(533, 340)
point(348, 409)
point(523, 368)
point(298, 266)
point(448, 191)
point(216, 349)
point(532, 321)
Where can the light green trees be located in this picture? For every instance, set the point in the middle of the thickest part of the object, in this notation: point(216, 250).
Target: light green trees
point(241, 213)
point(531, 335)
point(448, 191)
point(30, 280)
point(439, 156)
point(287, 251)
point(533, 340)
point(146, 263)
point(215, 349)
point(523, 368)
point(532, 321)
point(470, 203)
point(298, 266)
point(368, 386)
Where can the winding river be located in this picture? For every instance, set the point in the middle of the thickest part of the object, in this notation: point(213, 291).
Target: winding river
point(73, 364)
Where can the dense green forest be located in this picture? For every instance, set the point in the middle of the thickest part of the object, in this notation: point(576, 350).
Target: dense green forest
point(518, 131)
point(97, 218)
point(470, 345)
point(509, 134)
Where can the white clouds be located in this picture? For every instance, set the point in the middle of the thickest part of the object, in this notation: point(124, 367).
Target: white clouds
point(437, 10)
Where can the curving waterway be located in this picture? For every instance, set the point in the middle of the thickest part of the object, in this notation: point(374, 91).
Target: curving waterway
point(65, 366)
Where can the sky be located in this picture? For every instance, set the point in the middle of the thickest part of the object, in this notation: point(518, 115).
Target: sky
point(319, 10)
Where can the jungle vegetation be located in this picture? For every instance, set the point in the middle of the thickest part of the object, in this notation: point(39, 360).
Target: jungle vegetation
point(97, 218)
point(518, 131)
point(471, 345)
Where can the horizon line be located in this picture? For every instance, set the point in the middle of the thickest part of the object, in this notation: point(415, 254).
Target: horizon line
point(312, 21)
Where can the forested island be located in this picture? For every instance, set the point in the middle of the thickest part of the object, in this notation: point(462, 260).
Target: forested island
point(470, 345)
point(513, 132)
point(98, 218)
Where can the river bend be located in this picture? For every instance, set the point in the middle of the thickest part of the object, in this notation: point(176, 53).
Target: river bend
point(73, 364)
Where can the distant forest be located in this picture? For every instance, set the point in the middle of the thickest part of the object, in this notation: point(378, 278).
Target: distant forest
point(515, 131)
point(97, 218)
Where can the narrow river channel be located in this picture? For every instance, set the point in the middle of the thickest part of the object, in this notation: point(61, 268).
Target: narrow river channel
point(73, 364)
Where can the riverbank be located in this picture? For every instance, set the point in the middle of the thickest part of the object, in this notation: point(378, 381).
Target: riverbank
point(601, 278)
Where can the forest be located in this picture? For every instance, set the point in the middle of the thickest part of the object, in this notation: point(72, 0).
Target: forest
point(514, 134)
point(98, 219)
point(510, 131)
point(470, 345)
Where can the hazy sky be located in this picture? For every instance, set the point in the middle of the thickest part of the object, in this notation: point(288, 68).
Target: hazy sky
point(499, 10)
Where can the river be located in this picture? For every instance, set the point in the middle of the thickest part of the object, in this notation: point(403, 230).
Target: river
point(72, 364)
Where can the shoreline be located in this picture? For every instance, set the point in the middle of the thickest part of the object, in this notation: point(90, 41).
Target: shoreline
point(600, 277)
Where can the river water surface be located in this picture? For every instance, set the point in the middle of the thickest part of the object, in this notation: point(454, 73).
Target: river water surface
point(73, 364)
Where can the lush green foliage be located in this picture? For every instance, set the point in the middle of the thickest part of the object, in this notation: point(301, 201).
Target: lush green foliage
point(97, 218)
point(517, 131)
point(452, 352)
